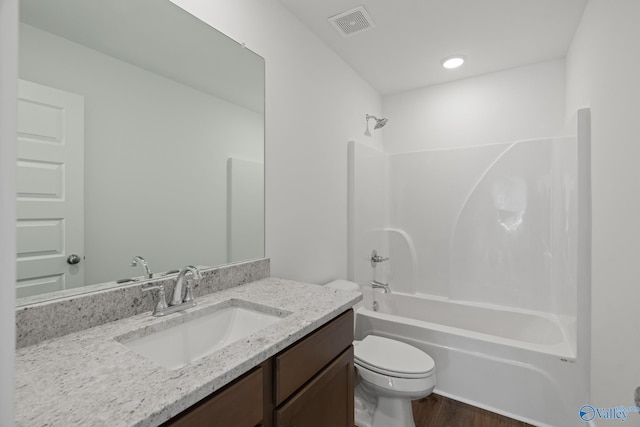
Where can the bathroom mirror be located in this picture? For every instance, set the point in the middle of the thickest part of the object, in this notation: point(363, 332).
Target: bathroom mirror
point(141, 132)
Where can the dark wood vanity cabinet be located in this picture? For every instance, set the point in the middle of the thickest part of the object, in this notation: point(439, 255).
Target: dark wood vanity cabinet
point(326, 401)
point(309, 384)
point(313, 378)
point(238, 404)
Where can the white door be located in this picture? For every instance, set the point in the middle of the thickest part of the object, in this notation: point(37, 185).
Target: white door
point(50, 205)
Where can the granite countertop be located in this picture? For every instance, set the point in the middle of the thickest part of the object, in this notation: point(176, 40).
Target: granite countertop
point(88, 378)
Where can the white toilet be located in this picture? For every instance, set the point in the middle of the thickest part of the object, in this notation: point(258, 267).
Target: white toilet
point(390, 374)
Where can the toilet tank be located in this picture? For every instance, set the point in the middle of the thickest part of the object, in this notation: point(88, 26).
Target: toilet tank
point(346, 285)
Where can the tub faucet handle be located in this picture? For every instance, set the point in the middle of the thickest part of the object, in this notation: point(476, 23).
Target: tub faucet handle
point(375, 258)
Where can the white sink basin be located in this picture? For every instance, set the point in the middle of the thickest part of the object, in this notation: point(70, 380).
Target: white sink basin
point(190, 340)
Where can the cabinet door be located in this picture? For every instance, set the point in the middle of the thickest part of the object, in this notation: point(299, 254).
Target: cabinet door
point(327, 400)
point(300, 362)
point(237, 405)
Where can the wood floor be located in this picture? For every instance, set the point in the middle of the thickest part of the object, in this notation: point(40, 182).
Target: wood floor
point(438, 411)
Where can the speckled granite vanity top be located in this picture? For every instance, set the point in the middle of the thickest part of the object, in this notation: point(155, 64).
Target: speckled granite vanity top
point(88, 378)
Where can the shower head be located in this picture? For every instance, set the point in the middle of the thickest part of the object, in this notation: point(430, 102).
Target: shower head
point(379, 123)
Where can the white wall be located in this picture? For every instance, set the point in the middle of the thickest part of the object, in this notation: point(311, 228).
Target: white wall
point(527, 102)
point(137, 122)
point(603, 66)
point(315, 104)
point(8, 106)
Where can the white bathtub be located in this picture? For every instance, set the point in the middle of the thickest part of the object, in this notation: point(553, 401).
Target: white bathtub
point(516, 363)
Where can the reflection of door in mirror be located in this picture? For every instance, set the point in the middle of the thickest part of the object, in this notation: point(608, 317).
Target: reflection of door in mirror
point(50, 206)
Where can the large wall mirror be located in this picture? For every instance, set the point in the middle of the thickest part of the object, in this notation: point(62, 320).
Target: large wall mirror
point(141, 132)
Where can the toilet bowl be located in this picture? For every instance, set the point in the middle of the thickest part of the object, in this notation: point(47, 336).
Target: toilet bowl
point(390, 374)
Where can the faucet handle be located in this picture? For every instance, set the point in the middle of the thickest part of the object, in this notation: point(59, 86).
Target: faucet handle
point(188, 297)
point(161, 304)
point(375, 258)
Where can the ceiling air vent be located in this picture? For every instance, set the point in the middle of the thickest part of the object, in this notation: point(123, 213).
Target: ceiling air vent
point(352, 21)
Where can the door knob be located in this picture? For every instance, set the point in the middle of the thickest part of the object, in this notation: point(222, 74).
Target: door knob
point(73, 259)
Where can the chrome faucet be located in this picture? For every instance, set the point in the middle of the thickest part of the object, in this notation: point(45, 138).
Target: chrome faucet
point(161, 304)
point(183, 294)
point(145, 266)
point(379, 285)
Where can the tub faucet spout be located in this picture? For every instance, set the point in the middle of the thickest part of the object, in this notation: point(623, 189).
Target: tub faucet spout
point(379, 285)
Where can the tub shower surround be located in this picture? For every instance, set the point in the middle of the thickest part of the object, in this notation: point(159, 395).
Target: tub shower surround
point(54, 318)
point(495, 233)
point(492, 224)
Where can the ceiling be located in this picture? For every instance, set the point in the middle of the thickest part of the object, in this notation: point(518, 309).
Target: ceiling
point(410, 38)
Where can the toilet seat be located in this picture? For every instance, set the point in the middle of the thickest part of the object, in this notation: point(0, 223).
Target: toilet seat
point(392, 358)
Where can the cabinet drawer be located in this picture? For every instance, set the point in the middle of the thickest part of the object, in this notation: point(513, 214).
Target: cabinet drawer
point(300, 362)
point(237, 405)
point(325, 401)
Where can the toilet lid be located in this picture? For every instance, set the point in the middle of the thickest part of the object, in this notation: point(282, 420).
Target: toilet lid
point(393, 358)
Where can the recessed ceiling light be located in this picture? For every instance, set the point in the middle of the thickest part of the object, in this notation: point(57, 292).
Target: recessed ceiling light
point(453, 61)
